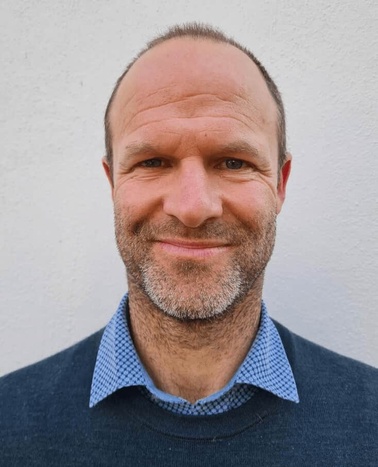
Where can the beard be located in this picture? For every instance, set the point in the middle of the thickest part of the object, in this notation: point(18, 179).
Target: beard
point(189, 290)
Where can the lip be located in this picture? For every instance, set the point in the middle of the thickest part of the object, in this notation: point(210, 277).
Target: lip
point(192, 248)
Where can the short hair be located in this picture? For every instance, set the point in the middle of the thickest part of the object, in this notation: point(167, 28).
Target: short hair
point(199, 31)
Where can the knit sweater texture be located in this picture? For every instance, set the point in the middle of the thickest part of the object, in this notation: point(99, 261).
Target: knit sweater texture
point(45, 419)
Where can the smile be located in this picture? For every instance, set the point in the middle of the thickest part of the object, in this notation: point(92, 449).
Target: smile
point(192, 249)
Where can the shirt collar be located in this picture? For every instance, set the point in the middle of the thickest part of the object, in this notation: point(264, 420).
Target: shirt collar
point(266, 365)
point(118, 365)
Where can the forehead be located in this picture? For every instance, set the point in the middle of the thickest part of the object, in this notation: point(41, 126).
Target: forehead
point(185, 77)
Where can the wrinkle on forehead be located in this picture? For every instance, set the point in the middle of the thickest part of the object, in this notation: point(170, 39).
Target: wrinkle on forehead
point(199, 106)
point(216, 79)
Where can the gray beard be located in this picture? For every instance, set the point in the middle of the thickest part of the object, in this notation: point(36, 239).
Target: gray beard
point(203, 302)
point(195, 291)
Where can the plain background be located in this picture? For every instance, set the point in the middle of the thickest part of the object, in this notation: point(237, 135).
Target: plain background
point(61, 278)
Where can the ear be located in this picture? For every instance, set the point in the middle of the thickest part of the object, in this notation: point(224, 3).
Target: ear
point(108, 172)
point(283, 178)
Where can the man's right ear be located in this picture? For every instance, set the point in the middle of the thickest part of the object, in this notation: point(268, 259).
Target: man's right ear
point(108, 172)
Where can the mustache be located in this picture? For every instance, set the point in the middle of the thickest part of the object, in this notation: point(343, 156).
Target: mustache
point(229, 232)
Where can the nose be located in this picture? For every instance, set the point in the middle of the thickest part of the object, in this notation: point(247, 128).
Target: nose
point(192, 196)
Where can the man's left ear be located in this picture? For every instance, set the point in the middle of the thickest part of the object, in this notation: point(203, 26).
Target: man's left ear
point(282, 181)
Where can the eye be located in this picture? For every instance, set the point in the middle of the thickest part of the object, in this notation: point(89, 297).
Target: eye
point(152, 163)
point(234, 164)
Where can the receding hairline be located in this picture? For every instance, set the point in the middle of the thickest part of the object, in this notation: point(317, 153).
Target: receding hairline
point(202, 32)
point(122, 81)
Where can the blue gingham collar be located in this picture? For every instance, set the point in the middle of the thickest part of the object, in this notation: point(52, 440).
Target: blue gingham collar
point(266, 365)
point(273, 373)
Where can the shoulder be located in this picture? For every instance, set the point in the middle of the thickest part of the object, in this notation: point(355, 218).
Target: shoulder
point(323, 374)
point(52, 383)
point(311, 353)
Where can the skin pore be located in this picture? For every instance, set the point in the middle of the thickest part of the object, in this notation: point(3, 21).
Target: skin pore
point(196, 191)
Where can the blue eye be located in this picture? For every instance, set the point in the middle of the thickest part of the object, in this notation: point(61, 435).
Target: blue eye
point(152, 163)
point(234, 164)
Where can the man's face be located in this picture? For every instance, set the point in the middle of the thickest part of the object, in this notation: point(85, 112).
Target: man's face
point(195, 176)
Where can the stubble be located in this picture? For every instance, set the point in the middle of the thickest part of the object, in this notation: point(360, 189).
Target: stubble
point(189, 290)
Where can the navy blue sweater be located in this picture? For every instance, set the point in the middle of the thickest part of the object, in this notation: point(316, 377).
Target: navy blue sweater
point(45, 419)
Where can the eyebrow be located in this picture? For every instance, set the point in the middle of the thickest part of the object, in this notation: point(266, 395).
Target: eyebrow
point(235, 147)
point(135, 149)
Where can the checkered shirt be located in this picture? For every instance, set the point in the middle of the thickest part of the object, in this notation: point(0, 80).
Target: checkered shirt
point(266, 366)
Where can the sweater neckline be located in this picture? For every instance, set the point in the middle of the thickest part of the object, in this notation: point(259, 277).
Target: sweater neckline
point(129, 402)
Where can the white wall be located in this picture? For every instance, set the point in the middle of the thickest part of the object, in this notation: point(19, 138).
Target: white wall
point(61, 278)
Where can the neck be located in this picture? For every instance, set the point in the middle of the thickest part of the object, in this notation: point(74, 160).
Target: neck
point(193, 359)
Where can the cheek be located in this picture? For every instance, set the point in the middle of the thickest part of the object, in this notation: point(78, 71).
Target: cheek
point(247, 200)
point(132, 212)
point(132, 200)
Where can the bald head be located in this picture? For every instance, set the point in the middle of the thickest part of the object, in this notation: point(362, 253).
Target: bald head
point(189, 61)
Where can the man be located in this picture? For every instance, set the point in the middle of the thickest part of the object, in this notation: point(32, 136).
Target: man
point(191, 370)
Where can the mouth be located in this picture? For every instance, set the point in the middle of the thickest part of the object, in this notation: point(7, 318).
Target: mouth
point(192, 248)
